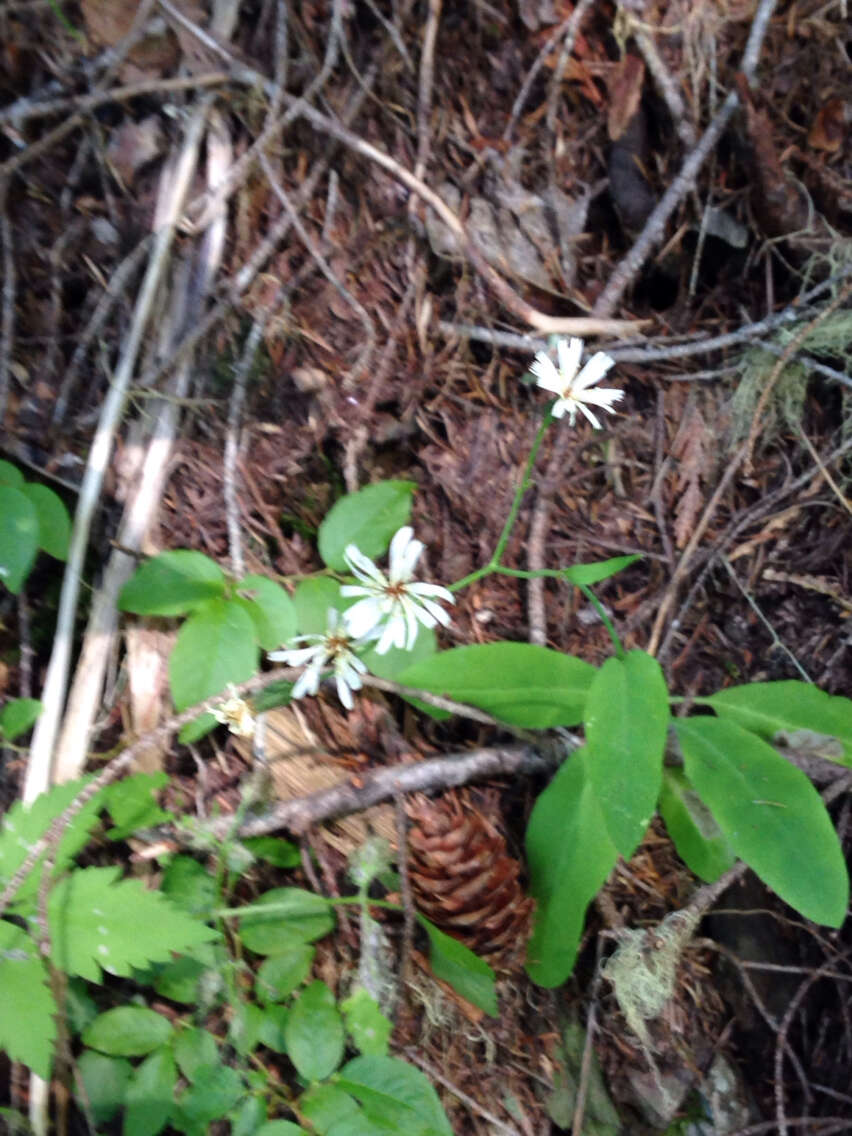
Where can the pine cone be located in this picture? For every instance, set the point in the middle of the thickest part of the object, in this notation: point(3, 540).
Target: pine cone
point(465, 882)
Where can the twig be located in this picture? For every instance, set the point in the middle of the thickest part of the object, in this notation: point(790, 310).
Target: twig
point(424, 87)
point(404, 884)
point(626, 270)
point(7, 320)
point(229, 472)
point(573, 26)
point(668, 88)
point(752, 603)
point(556, 467)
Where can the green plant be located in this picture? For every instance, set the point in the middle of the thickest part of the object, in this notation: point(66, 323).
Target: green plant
point(32, 517)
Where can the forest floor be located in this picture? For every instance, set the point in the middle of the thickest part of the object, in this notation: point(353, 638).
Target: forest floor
point(318, 326)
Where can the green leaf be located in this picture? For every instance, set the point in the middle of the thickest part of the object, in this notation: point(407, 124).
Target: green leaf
point(54, 524)
point(271, 1024)
point(770, 813)
point(178, 980)
point(127, 1031)
point(274, 850)
point(626, 720)
point(132, 806)
point(699, 840)
point(215, 646)
point(151, 1095)
point(780, 711)
point(25, 824)
point(172, 583)
point(314, 1033)
point(19, 537)
point(10, 475)
point(519, 683)
point(393, 1092)
point(326, 1105)
point(272, 696)
point(194, 1049)
point(397, 659)
point(367, 518)
point(465, 971)
point(105, 1080)
point(28, 1020)
point(215, 1091)
point(271, 609)
point(312, 599)
point(188, 884)
point(98, 921)
point(368, 1027)
point(17, 716)
point(588, 574)
point(279, 1128)
point(280, 974)
point(248, 1116)
point(570, 857)
point(294, 916)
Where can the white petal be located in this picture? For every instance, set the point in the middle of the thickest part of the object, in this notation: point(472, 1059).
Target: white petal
point(431, 590)
point(294, 658)
point(593, 371)
point(349, 590)
point(411, 614)
point(393, 635)
point(362, 617)
point(547, 377)
point(603, 396)
point(363, 567)
point(307, 683)
point(569, 354)
point(559, 407)
point(436, 613)
point(403, 555)
point(590, 416)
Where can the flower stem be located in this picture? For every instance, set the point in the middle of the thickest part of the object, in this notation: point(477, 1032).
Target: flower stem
point(605, 620)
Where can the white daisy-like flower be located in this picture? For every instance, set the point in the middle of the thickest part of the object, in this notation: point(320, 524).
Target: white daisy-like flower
point(332, 649)
point(391, 606)
point(237, 715)
point(572, 388)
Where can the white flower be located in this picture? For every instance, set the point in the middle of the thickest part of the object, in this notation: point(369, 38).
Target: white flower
point(236, 714)
point(392, 605)
point(572, 388)
point(333, 649)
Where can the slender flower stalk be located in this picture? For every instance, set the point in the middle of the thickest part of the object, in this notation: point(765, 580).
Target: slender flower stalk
point(573, 388)
point(391, 606)
point(335, 649)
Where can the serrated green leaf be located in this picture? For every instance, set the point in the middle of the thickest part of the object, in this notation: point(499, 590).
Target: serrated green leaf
point(19, 537)
point(215, 646)
point(699, 840)
point(150, 1095)
point(98, 921)
point(570, 856)
point(314, 1033)
point(466, 972)
point(127, 1031)
point(271, 610)
point(25, 824)
point(282, 918)
point(54, 524)
point(105, 1080)
point(588, 574)
point(368, 1027)
point(215, 1090)
point(10, 475)
point(519, 683)
point(778, 711)
point(274, 850)
point(172, 583)
point(132, 806)
point(312, 599)
point(626, 720)
point(17, 716)
point(392, 1092)
point(28, 1019)
point(194, 1049)
point(771, 814)
point(367, 518)
point(280, 974)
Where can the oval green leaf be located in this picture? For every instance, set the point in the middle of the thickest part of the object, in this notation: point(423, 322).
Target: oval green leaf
point(519, 683)
point(271, 610)
point(105, 1080)
point(17, 716)
point(151, 1095)
point(19, 537)
point(367, 519)
point(10, 475)
point(314, 1033)
point(282, 973)
point(127, 1031)
point(627, 716)
point(700, 842)
point(778, 711)
point(215, 646)
point(172, 583)
point(54, 524)
point(312, 599)
point(570, 857)
point(466, 972)
point(588, 574)
point(396, 1095)
point(770, 813)
point(295, 916)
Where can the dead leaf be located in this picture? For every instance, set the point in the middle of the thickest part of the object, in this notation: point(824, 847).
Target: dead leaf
point(625, 91)
point(691, 447)
point(829, 127)
point(133, 145)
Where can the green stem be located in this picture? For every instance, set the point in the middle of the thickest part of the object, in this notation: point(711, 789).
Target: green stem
point(605, 620)
point(523, 485)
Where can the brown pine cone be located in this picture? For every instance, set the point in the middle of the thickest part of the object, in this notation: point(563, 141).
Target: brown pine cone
point(465, 882)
